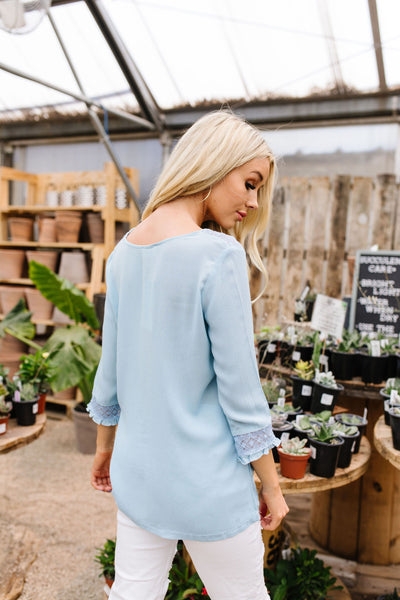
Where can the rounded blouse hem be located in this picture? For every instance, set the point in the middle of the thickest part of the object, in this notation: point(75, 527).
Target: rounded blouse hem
point(178, 535)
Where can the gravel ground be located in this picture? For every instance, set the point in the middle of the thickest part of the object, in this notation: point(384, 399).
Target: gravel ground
point(45, 494)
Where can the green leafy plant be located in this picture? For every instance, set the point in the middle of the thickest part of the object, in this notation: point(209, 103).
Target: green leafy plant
point(286, 409)
point(352, 419)
point(184, 585)
point(305, 369)
point(393, 383)
point(326, 379)
point(272, 391)
point(342, 428)
point(36, 369)
point(27, 392)
point(324, 433)
point(4, 405)
point(303, 422)
point(301, 576)
point(294, 446)
point(268, 333)
point(106, 558)
point(18, 323)
point(351, 340)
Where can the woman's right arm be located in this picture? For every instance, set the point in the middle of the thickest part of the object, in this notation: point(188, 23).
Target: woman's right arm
point(273, 506)
point(100, 475)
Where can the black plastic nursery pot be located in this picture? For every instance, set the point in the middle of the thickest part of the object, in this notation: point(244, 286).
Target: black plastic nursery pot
point(361, 426)
point(267, 351)
point(324, 457)
point(285, 428)
point(302, 392)
point(300, 433)
point(302, 353)
point(395, 427)
point(342, 365)
point(25, 412)
point(374, 368)
point(347, 449)
point(324, 398)
point(386, 405)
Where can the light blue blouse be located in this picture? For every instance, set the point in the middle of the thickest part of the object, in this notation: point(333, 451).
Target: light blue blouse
point(178, 373)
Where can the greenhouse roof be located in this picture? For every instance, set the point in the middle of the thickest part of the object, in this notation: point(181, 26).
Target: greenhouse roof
point(166, 59)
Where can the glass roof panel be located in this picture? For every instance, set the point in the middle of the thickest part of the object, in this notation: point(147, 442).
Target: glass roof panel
point(389, 19)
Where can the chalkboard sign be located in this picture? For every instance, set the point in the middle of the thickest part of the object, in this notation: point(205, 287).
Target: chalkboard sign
point(375, 302)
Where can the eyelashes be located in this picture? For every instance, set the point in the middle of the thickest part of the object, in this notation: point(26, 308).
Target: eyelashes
point(249, 186)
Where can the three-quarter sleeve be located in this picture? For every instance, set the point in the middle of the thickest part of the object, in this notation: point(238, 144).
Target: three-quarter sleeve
point(228, 317)
point(103, 407)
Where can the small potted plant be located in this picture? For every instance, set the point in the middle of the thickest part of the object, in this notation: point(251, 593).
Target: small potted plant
point(5, 409)
point(280, 426)
point(36, 369)
point(106, 558)
point(358, 421)
point(303, 384)
point(343, 355)
point(267, 344)
point(293, 457)
point(273, 390)
point(394, 413)
point(374, 367)
point(302, 426)
point(325, 447)
point(391, 395)
point(326, 391)
point(25, 404)
point(303, 347)
point(350, 434)
point(287, 409)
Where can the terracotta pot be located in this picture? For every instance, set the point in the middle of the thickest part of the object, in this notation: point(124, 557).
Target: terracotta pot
point(21, 229)
point(95, 227)
point(41, 308)
point(109, 582)
point(41, 403)
point(44, 257)
point(10, 345)
point(293, 466)
point(11, 263)
point(68, 226)
point(3, 425)
point(9, 296)
point(11, 361)
point(73, 267)
point(47, 229)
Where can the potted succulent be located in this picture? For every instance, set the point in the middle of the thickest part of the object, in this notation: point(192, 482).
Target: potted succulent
point(293, 457)
point(287, 409)
point(25, 404)
point(37, 369)
point(343, 355)
point(325, 447)
point(303, 347)
point(351, 419)
point(325, 392)
point(374, 367)
point(273, 390)
point(303, 384)
point(391, 395)
point(302, 426)
point(321, 417)
point(350, 434)
point(394, 413)
point(106, 558)
point(267, 343)
point(280, 427)
point(5, 409)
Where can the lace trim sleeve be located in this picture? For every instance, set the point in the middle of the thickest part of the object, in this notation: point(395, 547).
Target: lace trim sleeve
point(251, 446)
point(104, 415)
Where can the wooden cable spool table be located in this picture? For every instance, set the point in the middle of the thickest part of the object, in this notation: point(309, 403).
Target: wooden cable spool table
point(17, 436)
point(384, 443)
point(361, 521)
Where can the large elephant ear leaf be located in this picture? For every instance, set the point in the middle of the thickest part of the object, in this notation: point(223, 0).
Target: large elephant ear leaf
point(63, 294)
point(18, 322)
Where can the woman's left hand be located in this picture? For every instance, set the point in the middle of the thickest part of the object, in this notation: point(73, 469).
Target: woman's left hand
point(100, 475)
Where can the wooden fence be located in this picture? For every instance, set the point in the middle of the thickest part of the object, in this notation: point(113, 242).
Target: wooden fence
point(316, 223)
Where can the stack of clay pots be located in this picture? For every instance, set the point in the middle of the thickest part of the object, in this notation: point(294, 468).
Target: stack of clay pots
point(47, 230)
point(21, 229)
point(68, 226)
point(11, 263)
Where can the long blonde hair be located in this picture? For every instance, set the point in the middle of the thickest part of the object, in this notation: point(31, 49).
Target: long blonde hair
point(210, 149)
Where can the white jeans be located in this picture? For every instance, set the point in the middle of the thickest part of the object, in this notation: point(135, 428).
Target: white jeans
point(230, 569)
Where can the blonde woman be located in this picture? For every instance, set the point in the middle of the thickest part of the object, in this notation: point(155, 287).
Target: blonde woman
point(178, 373)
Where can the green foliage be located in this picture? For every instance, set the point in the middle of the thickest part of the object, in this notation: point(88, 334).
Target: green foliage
point(271, 391)
point(303, 423)
point(18, 322)
point(393, 383)
point(268, 333)
point(342, 428)
point(301, 577)
point(285, 409)
point(321, 417)
point(36, 369)
point(393, 596)
point(305, 369)
point(351, 419)
point(63, 294)
point(4, 405)
point(183, 585)
point(323, 433)
point(106, 557)
point(28, 392)
point(351, 340)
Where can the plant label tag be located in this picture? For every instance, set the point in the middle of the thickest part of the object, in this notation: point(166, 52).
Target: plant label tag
point(353, 447)
point(313, 452)
point(35, 408)
point(271, 348)
point(296, 356)
point(282, 392)
point(331, 421)
point(2, 427)
point(326, 399)
point(323, 360)
point(291, 331)
point(375, 348)
point(394, 397)
point(365, 414)
point(286, 553)
point(284, 437)
point(386, 404)
point(298, 420)
point(306, 390)
point(281, 402)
